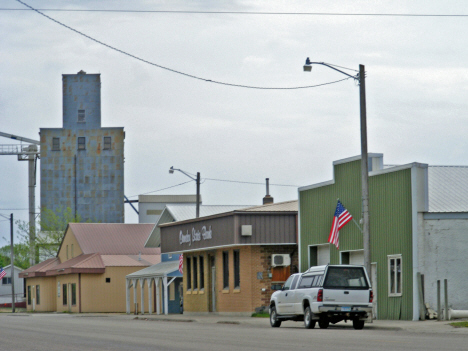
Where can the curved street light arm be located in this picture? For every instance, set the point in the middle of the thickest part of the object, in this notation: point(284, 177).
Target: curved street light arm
point(308, 63)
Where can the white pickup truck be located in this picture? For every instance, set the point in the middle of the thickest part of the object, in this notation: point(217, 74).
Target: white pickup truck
point(324, 294)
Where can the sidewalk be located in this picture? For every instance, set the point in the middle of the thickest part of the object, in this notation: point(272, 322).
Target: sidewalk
point(428, 326)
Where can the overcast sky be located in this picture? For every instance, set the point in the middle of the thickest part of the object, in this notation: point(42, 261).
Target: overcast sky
point(416, 85)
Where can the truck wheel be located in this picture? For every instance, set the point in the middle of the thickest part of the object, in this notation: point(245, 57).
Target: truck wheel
point(274, 321)
point(308, 322)
point(324, 323)
point(358, 324)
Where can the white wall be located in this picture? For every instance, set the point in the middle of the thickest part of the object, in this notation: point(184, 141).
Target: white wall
point(443, 255)
point(5, 290)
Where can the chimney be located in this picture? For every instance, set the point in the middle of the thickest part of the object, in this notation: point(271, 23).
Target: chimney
point(267, 199)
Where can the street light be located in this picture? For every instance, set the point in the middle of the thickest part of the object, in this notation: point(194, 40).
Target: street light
point(171, 171)
point(360, 77)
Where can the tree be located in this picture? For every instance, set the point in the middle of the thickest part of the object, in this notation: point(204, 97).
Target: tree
point(21, 252)
point(49, 231)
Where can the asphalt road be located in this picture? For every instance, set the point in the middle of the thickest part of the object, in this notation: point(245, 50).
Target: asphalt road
point(113, 332)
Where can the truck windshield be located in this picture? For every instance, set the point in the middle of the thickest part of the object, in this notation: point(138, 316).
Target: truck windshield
point(345, 278)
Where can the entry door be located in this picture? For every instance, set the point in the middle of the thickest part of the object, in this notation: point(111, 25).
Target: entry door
point(69, 297)
point(212, 297)
point(374, 289)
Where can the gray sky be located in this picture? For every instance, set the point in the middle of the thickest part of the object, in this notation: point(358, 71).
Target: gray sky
point(416, 89)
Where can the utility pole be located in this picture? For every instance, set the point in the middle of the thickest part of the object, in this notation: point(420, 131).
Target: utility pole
point(198, 194)
point(364, 170)
point(12, 265)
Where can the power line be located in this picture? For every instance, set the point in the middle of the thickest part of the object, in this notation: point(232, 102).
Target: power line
point(173, 70)
point(155, 191)
point(248, 13)
point(238, 181)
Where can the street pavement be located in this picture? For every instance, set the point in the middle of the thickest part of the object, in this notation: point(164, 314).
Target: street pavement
point(427, 326)
point(122, 332)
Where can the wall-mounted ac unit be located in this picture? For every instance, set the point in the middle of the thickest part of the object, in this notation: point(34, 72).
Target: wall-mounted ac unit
point(280, 260)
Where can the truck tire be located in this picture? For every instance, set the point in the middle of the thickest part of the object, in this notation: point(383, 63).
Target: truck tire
point(323, 323)
point(274, 321)
point(358, 324)
point(308, 322)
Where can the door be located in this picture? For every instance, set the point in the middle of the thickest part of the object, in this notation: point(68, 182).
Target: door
point(285, 298)
point(212, 280)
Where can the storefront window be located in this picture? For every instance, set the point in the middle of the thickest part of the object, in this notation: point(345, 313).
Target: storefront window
point(195, 274)
point(202, 273)
point(225, 270)
point(38, 295)
point(189, 273)
point(64, 294)
point(73, 294)
point(236, 269)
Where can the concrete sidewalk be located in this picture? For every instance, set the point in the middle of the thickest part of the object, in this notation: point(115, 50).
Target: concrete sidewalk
point(428, 326)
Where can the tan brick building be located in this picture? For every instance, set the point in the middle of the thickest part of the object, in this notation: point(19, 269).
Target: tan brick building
point(233, 261)
point(88, 274)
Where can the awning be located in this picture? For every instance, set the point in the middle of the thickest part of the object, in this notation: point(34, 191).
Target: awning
point(163, 269)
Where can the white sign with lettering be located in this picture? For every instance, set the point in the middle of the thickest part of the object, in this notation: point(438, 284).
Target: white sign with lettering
point(196, 235)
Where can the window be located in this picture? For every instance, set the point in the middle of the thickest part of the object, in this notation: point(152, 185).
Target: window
point(107, 280)
point(81, 116)
point(38, 295)
point(71, 250)
point(236, 269)
point(189, 273)
point(202, 273)
point(306, 282)
point(225, 270)
point(55, 144)
point(345, 278)
point(6, 281)
point(195, 274)
point(287, 285)
point(64, 294)
point(395, 278)
point(81, 143)
point(293, 284)
point(73, 294)
point(67, 252)
point(107, 143)
point(29, 294)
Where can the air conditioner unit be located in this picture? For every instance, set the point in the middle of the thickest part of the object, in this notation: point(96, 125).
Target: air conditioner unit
point(280, 260)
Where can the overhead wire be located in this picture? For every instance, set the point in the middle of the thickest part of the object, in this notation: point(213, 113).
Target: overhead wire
point(176, 71)
point(251, 13)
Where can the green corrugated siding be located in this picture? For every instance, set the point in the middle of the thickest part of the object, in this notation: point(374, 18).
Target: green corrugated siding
point(390, 227)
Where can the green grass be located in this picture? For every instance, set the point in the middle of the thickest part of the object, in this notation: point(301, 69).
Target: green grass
point(460, 324)
point(261, 315)
point(8, 309)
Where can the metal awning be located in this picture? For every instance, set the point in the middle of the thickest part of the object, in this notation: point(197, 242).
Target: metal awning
point(167, 269)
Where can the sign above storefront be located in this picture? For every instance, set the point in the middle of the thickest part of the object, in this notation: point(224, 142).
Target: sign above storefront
point(196, 235)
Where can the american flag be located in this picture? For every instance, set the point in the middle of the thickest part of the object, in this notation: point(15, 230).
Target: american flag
point(341, 218)
point(181, 263)
point(2, 272)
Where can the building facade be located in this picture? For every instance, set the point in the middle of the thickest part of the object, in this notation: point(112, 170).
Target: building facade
point(88, 274)
point(82, 164)
point(5, 286)
point(417, 235)
point(233, 261)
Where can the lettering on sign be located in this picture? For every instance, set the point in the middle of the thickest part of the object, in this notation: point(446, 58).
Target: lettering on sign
point(196, 235)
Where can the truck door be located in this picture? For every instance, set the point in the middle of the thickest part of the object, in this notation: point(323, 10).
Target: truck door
point(284, 297)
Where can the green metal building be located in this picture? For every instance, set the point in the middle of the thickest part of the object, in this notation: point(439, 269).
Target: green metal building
point(398, 197)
